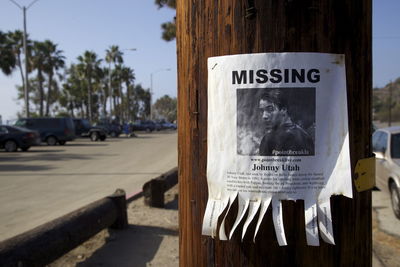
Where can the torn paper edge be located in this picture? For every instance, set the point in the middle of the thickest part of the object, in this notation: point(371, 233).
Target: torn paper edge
point(222, 232)
point(264, 207)
point(318, 218)
point(311, 222)
point(277, 218)
point(253, 209)
point(214, 209)
point(325, 221)
point(242, 208)
point(207, 228)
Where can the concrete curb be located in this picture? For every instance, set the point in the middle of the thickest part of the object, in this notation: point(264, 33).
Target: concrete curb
point(47, 242)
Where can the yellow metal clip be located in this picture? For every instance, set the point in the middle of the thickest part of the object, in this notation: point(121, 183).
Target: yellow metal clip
point(364, 174)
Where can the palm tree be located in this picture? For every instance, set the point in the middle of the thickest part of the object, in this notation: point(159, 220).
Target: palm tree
point(66, 99)
point(128, 77)
point(54, 60)
point(105, 87)
point(37, 61)
point(16, 40)
point(113, 55)
point(118, 95)
point(169, 28)
point(8, 60)
point(33, 95)
point(98, 92)
point(143, 101)
point(72, 91)
point(89, 67)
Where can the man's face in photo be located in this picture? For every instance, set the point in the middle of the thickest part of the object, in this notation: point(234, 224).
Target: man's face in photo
point(271, 114)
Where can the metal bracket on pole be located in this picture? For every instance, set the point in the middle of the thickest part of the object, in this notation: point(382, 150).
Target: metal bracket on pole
point(364, 174)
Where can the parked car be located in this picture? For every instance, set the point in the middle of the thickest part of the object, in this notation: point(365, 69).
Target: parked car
point(157, 125)
point(83, 128)
point(386, 146)
point(13, 137)
point(145, 125)
point(112, 129)
point(52, 130)
point(168, 125)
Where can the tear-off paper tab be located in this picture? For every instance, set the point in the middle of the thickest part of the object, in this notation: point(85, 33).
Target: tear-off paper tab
point(277, 130)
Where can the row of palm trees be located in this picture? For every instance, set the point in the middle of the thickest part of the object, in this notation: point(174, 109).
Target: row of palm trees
point(81, 89)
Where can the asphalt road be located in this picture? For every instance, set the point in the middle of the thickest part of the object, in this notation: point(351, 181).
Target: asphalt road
point(48, 182)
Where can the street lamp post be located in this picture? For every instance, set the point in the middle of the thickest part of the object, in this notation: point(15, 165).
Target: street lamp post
point(26, 83)
point(151, 89)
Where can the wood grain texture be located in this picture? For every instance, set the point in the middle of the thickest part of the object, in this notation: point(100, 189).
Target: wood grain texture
point(215, 28)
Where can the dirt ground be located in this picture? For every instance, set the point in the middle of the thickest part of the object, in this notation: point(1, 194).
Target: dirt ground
point(151, 239)
point(386, 247)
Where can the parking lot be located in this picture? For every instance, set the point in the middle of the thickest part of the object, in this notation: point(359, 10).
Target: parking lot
point(49, 181)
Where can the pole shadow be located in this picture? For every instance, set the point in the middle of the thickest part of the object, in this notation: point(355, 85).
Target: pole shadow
point(134, 246)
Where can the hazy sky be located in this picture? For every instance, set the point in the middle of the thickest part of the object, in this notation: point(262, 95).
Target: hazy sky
point(79, 25)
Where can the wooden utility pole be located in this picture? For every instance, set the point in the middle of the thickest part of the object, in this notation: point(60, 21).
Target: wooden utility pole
point(208, 28)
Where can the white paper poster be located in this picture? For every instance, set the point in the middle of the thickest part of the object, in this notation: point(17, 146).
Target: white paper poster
point(277, 130)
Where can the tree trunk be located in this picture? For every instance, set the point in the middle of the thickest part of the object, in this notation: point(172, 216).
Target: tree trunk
point(49, 94)
point(121, 99)
point(82, 110)
point(71, 108)
point(215, 28)
point(41, 92)
point(89, 105)
point(20, 69)
point(104, 104)
point(114, 105)
point(128, 108)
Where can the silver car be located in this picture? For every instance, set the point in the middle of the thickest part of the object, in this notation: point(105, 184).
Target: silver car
point(386, 146)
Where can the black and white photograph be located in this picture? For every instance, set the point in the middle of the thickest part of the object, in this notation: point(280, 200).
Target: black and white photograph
point(276, 121)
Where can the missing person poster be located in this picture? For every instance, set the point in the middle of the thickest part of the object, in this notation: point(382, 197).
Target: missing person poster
point(277, 130)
